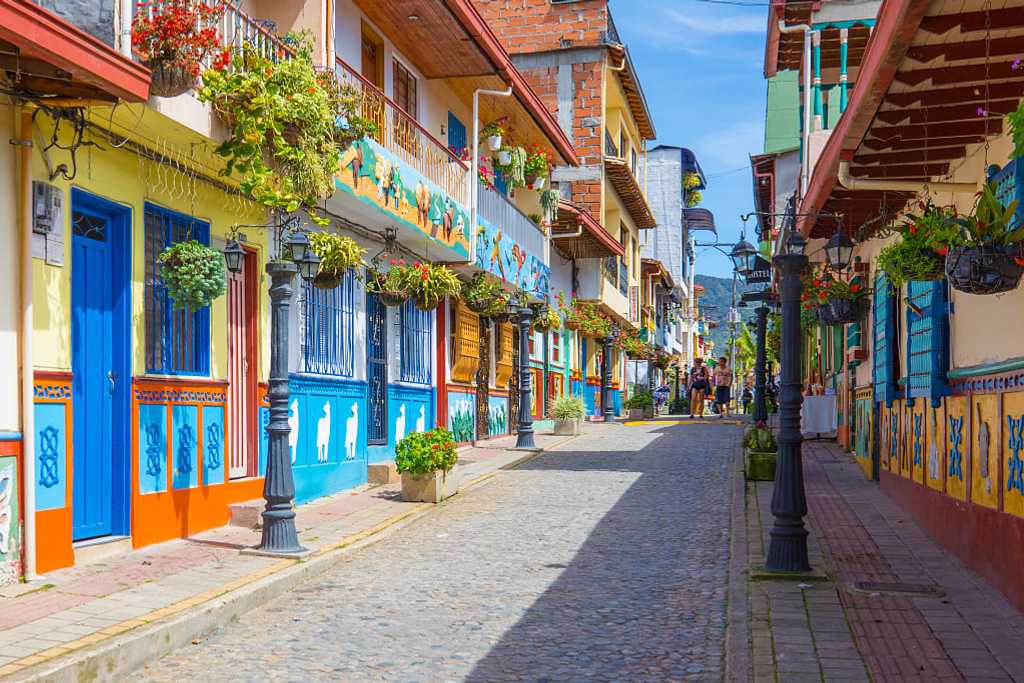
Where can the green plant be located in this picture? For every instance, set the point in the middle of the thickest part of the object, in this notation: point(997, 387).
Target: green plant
point(990, 223)
point(285, 141)
point(679, 406)
point(903, 261)
point(759, 438)
point(391, 282)
point(193, 273)
point(693, 198)
point(515, 170)
point(691, 180)
point(484, 295)
point(633, 345)
point(567, 408)
point(1016, 121)
point(428, 283)
point(641, 399)
point(337, 254)
point(426, 452)
point(536, 218)
point(549, 199)
point(493, 128)
point(547, 320)
point(587, 318)
point(537, 162)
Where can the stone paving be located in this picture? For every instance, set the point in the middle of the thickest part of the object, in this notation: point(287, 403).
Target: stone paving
point(605, 559)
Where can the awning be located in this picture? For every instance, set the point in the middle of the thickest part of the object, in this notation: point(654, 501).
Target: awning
point(45, 55)
point(578, 235)
point(699, 219)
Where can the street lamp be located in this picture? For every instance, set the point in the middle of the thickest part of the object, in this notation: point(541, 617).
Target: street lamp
point(787, 550)
point(743, 255)
point(839, 251)
point(524, 431)
point(607, 409)
point(233, 255)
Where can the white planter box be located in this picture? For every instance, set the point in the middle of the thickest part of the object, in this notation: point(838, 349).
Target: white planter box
point(432, 487)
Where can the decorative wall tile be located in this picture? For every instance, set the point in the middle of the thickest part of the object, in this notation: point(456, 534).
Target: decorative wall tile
point(51, 453)
point(184, 446)
point(10, 542)
point(935, 469)
point(213, 445)
point(462, 416)
point(957, 447)
point(986, 436)
point(152, 454)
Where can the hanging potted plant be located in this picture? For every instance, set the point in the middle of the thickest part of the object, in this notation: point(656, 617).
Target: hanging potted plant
point(193, 273)
point(513, 166)
point(493, 132)
point(549, 199)
point(591, 321)
point(635, 347)
point(845, 302)
point(338, 255)
point(484, 295)
point(173, 38)
point(535, 169)
point(390, 286)
point(919, 253)
point(986, 258)
point(428, 283)
point(547, 320)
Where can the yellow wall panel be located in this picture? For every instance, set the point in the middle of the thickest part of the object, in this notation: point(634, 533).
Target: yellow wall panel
point(918, 438)
point(985, 438)
point(935, 450)
point(906, 440)
point(1013, 453)
point(957, 446)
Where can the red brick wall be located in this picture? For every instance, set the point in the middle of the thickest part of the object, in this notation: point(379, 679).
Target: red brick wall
point(538, 26)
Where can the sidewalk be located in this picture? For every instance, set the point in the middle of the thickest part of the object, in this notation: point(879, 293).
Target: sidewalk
point(896, 606)
point(103, 620)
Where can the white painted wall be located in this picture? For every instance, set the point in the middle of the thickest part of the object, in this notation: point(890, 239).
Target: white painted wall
point(10, 250)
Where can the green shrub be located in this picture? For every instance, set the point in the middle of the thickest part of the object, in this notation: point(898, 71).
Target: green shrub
point(641, 399)
point(193, 273)
point(425, 452)
point(567, 408)
point(759, 438)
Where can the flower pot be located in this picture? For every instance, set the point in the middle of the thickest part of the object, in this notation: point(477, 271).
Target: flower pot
point(426, 304)
point(432, 487)
point(535, 182)
point(569, 427)
point(636, 413)
point(478, 306)
point(494, 143)
point(324, 280)
point(572, 325)
point(983, 270)
point(759, 465)
point(841, 311)
point(649, 412)
point(392, 298)
point(169, 79)
point(504, 157)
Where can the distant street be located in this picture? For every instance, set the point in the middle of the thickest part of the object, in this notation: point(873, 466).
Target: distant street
point(604, 560)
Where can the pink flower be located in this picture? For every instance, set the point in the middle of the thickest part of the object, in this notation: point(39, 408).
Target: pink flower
point(982, 111)
point(1016, 64)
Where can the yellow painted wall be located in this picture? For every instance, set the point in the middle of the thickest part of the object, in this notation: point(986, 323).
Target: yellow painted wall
point(956, 409)
point(985, 462)
point(936, 449)
point(1013, 495)
point(120, 176)
point(10, 274)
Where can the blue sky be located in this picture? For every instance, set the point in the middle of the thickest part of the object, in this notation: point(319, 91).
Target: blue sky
point(700, 65)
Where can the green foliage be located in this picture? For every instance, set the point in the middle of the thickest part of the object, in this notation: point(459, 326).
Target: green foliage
point(492, 128)
point(549, 199)
point(691, 180)
point(484, 295)
point(773, 337)
point(587, 318)
point(285, 140)
point(990, 222)
point(547, 320)
point(1016, 121)
point(679, 406)
point(425, 452)
point(903, 261)
point(759, 438)
point(567, 408)
point(693, 198)
point(429, 283)
point(193, 273)
point(515, 170)
point(641, 399)
point(337, 254)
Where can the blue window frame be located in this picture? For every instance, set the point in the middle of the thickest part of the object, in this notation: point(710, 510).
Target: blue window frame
point(928, 345)
point(177, 341)
point(328, 337)
point(414, 335)
point(885, 334)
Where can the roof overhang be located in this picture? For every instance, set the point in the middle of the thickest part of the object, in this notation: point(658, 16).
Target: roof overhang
point(622, 179)
point(699, 219)
point(54, 57)
point(578, 235)
point(634, 92)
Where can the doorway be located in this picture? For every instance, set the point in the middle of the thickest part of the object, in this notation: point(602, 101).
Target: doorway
point(243, 368)
point(100, 365)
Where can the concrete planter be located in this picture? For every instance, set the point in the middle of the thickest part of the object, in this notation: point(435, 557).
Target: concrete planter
point(649, 412)
point(432, 487)
point(636, 413)
point(570, 427)
point(759, 465)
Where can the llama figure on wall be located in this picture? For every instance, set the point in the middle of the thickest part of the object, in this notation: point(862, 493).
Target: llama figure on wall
point(421, 421)
point(352, 433)
point(293, 429)
point(323, 433)
point(400, 424)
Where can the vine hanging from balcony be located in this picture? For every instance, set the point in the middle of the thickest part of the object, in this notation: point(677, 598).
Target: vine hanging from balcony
point(173, 38)
point(286, 140)
point(691, 189)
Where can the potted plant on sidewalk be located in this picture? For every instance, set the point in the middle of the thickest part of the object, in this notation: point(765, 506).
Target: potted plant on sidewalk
point(985, 257)
point(173, 38)
point(759, 453)
point(568, 413)
point(425, 459)
point(338, 255)
point(640, 405)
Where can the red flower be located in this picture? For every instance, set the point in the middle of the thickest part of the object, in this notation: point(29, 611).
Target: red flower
point(854, 288)
point(942, 251)
point(1018, 260)
point(394, 262)
point(424, 276)
point(913, 229)
point(401, 261)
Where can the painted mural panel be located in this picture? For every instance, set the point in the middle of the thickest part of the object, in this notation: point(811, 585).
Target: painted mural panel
point(152, 454)
point(379, 179)
point(51, 455)
point(862, 444)
point(957, 446)
point(327, 440)
point(264, 440)
point(10, 541)
point(462, 416)
point(213, 445)
point(986, 435)
point(500, 255)
point(185, 446)
point(936, 447)
point(917, 429)
point(906, 446)
point(1013, 453)
point(497, 415)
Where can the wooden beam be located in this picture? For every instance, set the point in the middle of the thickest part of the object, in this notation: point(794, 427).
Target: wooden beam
point(899, 145)
point(958, 95)
point(911, 156)
point(959, 112)
point(900, 170)
point(938, 130)
point(1011, 17)
point(975, 49)
point(948, 75)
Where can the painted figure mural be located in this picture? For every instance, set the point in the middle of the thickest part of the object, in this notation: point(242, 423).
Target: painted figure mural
point(352, 433)
point(323, 433)
point(293, 426)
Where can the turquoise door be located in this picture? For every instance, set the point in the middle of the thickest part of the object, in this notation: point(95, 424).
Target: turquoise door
point(99, 368)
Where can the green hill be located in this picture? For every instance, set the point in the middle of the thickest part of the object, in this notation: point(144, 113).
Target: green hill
point(715, 305)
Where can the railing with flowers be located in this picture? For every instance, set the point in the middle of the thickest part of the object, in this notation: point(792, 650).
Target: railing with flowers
point(404, 137)
point(238, 29)
point(495, 208)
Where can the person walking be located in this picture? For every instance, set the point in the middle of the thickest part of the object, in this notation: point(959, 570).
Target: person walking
point(748, 397)
point(699, 384)
point(723, 385)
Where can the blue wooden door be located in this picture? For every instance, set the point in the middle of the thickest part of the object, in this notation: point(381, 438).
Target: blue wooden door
point(99, 365)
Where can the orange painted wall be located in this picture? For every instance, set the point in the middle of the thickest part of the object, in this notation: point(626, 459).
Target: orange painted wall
point(53, 527)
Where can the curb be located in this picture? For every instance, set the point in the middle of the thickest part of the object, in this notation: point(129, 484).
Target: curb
point(115, 652)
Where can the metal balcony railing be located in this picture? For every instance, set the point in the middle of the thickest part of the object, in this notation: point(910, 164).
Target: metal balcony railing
point(237, 29)
point(404, 137)
point(496, 209)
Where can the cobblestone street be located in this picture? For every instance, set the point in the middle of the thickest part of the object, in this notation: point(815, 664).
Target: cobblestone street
point(605, 559)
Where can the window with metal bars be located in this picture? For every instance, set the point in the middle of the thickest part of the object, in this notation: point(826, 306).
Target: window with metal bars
point(415, 338)
point(177, 341)
point(328, 330)
point(376, 370)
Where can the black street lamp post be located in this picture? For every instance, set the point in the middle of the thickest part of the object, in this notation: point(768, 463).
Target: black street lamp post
point(760, 403)
point(787, 550)
point(607, 409)
point(524, 432)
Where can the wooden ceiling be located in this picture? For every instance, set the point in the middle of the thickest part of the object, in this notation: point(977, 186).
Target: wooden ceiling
point(415, 27)
point(577, 234)
point(945, 97)
point(625, 184)
point(791, 47)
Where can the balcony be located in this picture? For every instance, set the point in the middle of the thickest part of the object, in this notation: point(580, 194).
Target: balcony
point(509, 244)
point(618, 171)
point(238, 29)
point(406, 173)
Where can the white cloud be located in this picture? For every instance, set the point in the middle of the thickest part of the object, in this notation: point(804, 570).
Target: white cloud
point(730, 147)
point(715, 25)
